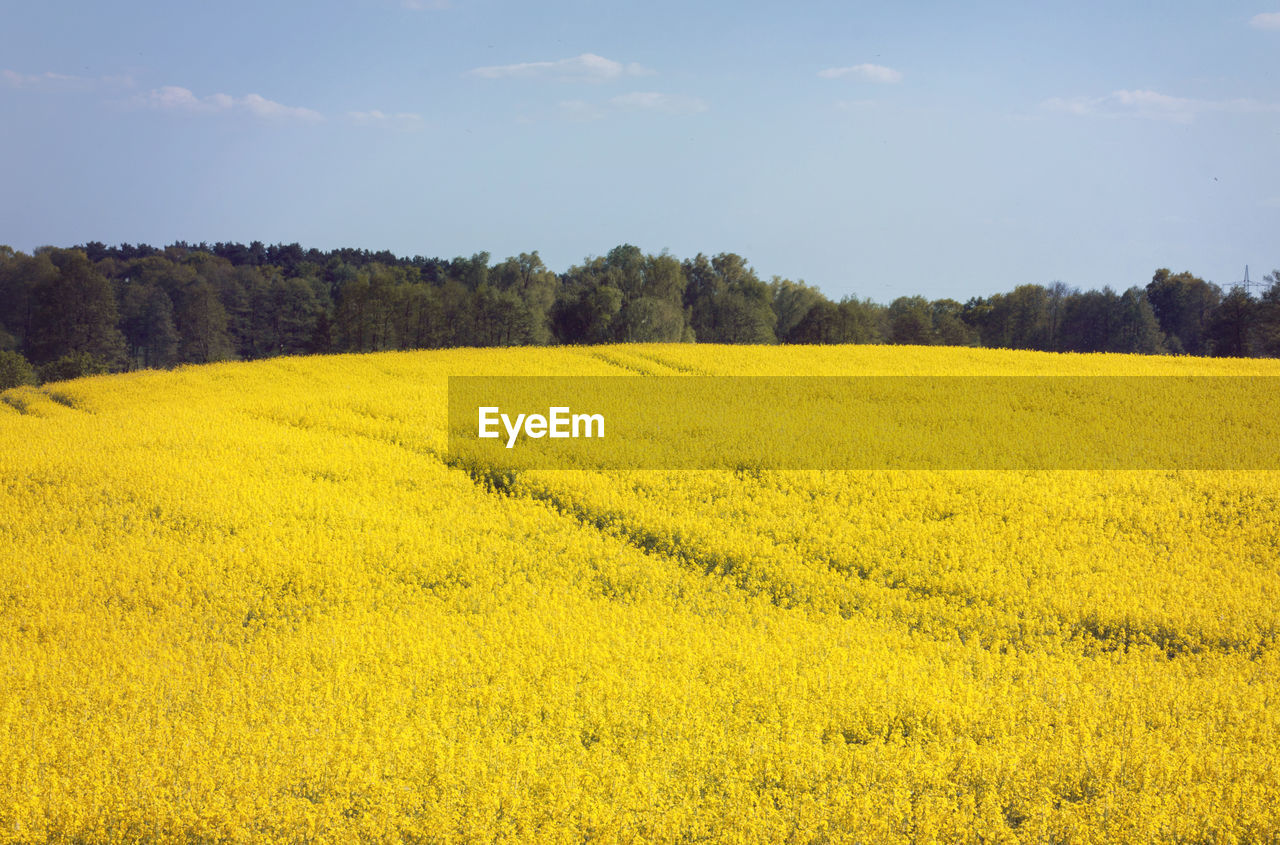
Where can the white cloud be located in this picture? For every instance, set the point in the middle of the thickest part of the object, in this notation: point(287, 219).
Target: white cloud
point(263, 107)
point(587, 67)
point(13, 79)
point(397, 120)
point(653, 101)
point(1266, 20)
point(47, 79)
point(63, 81)
point(866, 72)
point(175, 98)
point(424, 4)
point(1155, 106)
point(1270, 202)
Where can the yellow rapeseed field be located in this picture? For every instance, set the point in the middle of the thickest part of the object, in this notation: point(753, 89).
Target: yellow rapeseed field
point(259, 603)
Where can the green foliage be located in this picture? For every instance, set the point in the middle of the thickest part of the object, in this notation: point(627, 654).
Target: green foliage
point(587, 315)
point(202, 324)
point(74, 312)
point(1183, 304)
point(850, 321)
point(1138, 329)
point(1020, 319)
point(649, 319)
point(147, 321)
point(624, 296)
point(499, 318)
point(727, 302)
point(137, 306)
point(73, 365)
point(791, 302)
point(1269, 317)
point(534, 285)
point(15, 370)
point(1231, 328)
point(910, 321)
point(821, 323)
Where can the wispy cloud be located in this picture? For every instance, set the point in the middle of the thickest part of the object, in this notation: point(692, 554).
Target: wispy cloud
point(175, 98)
point(418, 5)
point(13, 79)
point(61, 81)
point(397, 120)
point(1266, 20)
point(263, 107)
point(865, 72)
point(1270, 202)
point(1155, 106)
point(587, 67)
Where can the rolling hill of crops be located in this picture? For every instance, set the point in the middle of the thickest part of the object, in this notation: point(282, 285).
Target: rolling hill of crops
point(260, 602)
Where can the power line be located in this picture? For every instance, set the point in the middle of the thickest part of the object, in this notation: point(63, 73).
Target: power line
point(1248, 285)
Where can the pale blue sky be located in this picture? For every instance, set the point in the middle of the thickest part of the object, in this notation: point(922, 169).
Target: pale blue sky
point(875, 149)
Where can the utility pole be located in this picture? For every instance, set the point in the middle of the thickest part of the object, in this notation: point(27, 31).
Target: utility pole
point(1248, 285)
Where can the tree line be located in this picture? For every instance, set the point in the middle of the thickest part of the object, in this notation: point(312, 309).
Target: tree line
point(94, 308)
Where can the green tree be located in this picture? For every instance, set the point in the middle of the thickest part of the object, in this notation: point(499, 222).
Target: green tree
point(1182, 304)
point(536, 286)
point(910, 321)
point(649, 319)
point(1024, 318)
point(1136, 329)
point(499, 318)
point(1269, 316)
point(20, 276)
point(1027, 318)
point(664, 278)
point(202, 325)
point(471, 272)
point(791, 301)
point(852, 320)
point(949, 329)
point(1056, 296)
point(147, 320)
point(15, 370)
point(1090, 321)
point(864, 321)
point(424, 325)
point(72, 365)
point(821, 323)
point(727, 302)
point(1229, 330)
point(587, 314)
point(624, 268)
point(370, 308)
point(75, 313)
point(237, 293)
point(297, 311)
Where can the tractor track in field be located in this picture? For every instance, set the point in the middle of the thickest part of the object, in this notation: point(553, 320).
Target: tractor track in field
point(1099, 634)
point(637, 367)
point(684, 369)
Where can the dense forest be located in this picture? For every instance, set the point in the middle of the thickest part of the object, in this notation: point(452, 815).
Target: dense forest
point(94, 308)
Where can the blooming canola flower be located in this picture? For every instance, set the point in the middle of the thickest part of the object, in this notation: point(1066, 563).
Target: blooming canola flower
point(262, 601)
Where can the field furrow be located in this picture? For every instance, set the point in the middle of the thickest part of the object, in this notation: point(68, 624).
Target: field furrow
point(264, 602)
